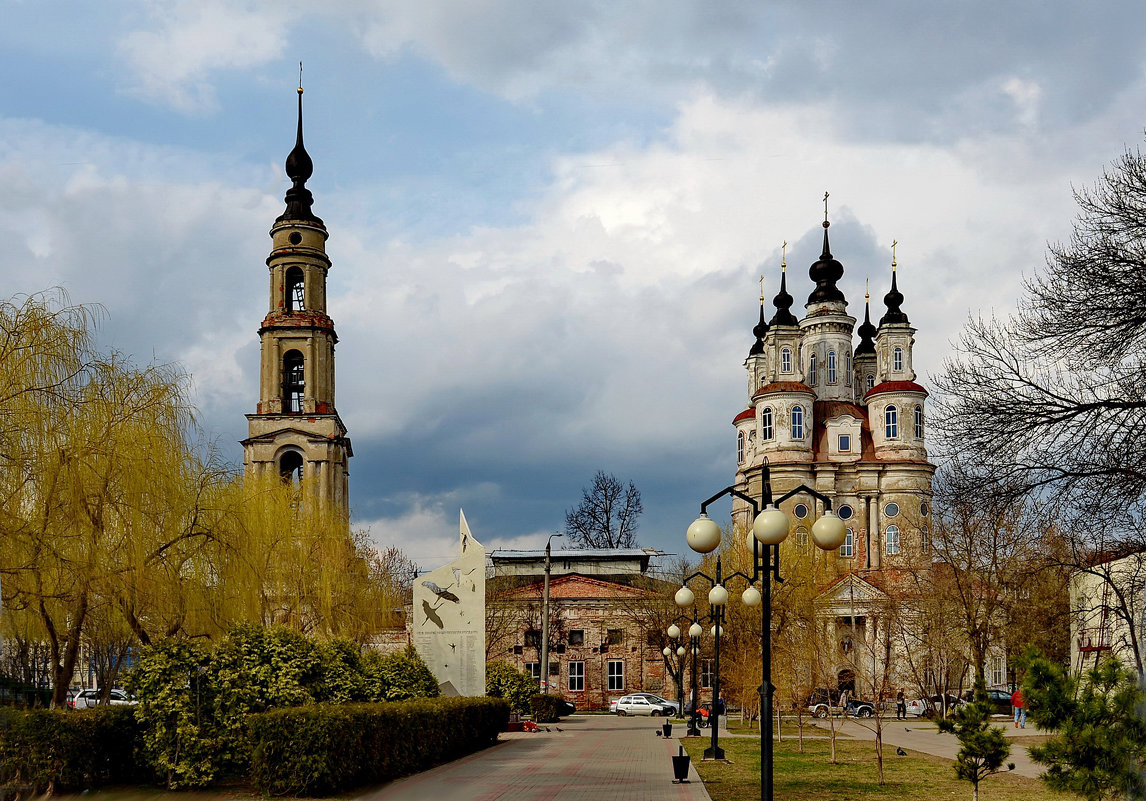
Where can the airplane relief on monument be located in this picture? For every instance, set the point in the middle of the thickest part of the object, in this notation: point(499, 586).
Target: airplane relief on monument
point(449, 618)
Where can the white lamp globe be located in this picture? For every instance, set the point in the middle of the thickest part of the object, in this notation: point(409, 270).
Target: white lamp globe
point(684, 597)
point(667, 652)
point(770, 526)
point(695, 630)
point(751, 597)
point(674, 632)
point(716, 632)
point(829, 532)
point(703, 535)
point(680, 651)
point(718, 595)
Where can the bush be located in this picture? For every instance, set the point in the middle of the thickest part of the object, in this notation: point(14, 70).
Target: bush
point(54, 750)
point(503, 680)
point(546, 708)
point(324, 749)
point(399, 677)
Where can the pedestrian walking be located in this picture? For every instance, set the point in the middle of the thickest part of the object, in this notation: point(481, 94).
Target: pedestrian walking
point(900, 705)
point(1018, 703)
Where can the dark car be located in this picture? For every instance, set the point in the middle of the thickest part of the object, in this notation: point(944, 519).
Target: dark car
point(999, 701)
point(565, 707)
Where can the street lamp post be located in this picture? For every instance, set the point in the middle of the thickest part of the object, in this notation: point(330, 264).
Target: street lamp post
point(545, 619)
point(694, 632)
point(769, 529)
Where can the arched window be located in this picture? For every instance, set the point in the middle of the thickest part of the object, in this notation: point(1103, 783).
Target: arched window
point(891, 422)
point(740, 447)
point(897, 359)
point(870, 383)
point(848, 370)
point(786, 360)
point(924, 539)
point(812, 370)
point(847, 549)
point(831, 367)
point(293, 382)
point(892, 540)
point(919, 422)
point(294, 290)
point(797, 422)
point(290, 466)
point(766, 423)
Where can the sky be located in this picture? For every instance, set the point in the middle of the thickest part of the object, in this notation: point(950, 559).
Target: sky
point(548, 220)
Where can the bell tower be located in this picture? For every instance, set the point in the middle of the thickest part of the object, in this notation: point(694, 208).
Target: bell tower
point(296, 432)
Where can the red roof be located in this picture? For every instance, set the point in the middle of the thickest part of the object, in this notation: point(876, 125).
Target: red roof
point(747, 414)
point(895, 386)
point(784, 386)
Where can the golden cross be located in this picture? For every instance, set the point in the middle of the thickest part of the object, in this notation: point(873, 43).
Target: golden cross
point(784, 254)
point(825, 206)
point(867, 288)
point(761, 289)
point(300, 77)
point(893, 244)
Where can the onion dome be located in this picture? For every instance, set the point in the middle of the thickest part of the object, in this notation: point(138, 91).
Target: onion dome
point(760, 329)
point(783, 302)
point(825, 272)
point(866, 331)
point(299, 168)
point(893, 300)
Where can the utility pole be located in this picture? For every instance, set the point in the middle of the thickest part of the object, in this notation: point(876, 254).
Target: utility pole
point(545, 619)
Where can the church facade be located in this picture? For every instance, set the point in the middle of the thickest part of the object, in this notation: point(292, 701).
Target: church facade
point(296, 432)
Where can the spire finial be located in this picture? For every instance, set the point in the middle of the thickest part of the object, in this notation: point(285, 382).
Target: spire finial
point(761, 290)
point(867, 288)
point(826, 223)
point(866, 330)
point(299, 168)
point(300, 77)
point(893, 244)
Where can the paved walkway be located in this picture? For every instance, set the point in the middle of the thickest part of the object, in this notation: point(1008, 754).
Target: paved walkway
point(592, 757)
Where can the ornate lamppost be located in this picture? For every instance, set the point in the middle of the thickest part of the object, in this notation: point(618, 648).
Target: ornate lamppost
point(694, 633)
point(769, 529)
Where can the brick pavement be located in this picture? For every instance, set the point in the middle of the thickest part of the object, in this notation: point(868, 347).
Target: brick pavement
point(593, 757)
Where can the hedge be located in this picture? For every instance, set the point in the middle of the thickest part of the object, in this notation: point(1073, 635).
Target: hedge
point(325, 749)
point(53, 750)
point(546, 708)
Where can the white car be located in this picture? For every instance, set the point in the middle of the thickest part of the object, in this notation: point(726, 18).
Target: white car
point(640, 705)
point(86, 699)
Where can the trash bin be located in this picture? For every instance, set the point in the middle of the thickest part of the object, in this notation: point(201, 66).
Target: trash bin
point(680, 767)
point(666, 729)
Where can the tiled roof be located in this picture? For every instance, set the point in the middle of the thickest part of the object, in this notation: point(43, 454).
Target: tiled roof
point(895, 386)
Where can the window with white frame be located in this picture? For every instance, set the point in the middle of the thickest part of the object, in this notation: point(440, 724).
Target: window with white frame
point(847, 549)
point(706, 673)
point(892, 540)
point(998, 670)
point(576, 677)
point(786, 360)
point(919, 422)
point(870, 382)
point(812, 378)
point(533, 669)
point(891, 422)
point(616, 674)
point(797, 422)
point(845, 443)
point(740, 447)
point(801, 536)
point(831, 367)
point(897, 359)
point(766, 423)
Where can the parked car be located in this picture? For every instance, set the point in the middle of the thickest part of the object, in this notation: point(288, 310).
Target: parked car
point(823, 702)
point(639, 705)
point(656, 699)
point(86, 699)
point(565, 707)
point(999, 700)
point(930, 707)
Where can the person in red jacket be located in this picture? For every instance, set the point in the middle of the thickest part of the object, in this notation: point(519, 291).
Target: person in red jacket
point(1019, 705)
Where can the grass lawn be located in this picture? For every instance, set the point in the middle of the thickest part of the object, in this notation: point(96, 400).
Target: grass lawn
point(810, 777)
point(791, 729)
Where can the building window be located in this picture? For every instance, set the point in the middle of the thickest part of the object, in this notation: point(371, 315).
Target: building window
point(844, 512)
point(533, 669)
point(800, 510)
point(294, 290)
point(891, 422)
point(577, 636)
point(919, 422)
point(797, 422)
point(998, 670)
point(897, 359)
point(293, 382)
point(846, 549)
point(532, 638)
point(924, 509)
point(616, 674)
point(786, 360)
point(614, 637)
point(801, 536)
point(706, 673)
point(766, 423)
point(845, 443)
point(891, 509)
point(924, 539)
point(290, 467)
point(848, 369)
point(576, 677)
point(740, 447)
point(831, 367)
point(870, 382)
point(892, 540)
point(812, 378)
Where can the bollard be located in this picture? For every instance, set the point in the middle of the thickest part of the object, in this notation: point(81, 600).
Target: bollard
point(680, 766)
point(666, 729)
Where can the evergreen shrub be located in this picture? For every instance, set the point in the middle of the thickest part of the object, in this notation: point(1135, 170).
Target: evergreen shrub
point(546, 708)
point(325, 749)
point(52, 750)
point(503, 680)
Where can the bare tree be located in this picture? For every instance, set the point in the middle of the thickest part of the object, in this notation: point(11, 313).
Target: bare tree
point(607, 515)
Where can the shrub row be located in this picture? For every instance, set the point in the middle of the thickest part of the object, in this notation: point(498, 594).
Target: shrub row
point(54, 750)
point(324, 749)
point(546, 708)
